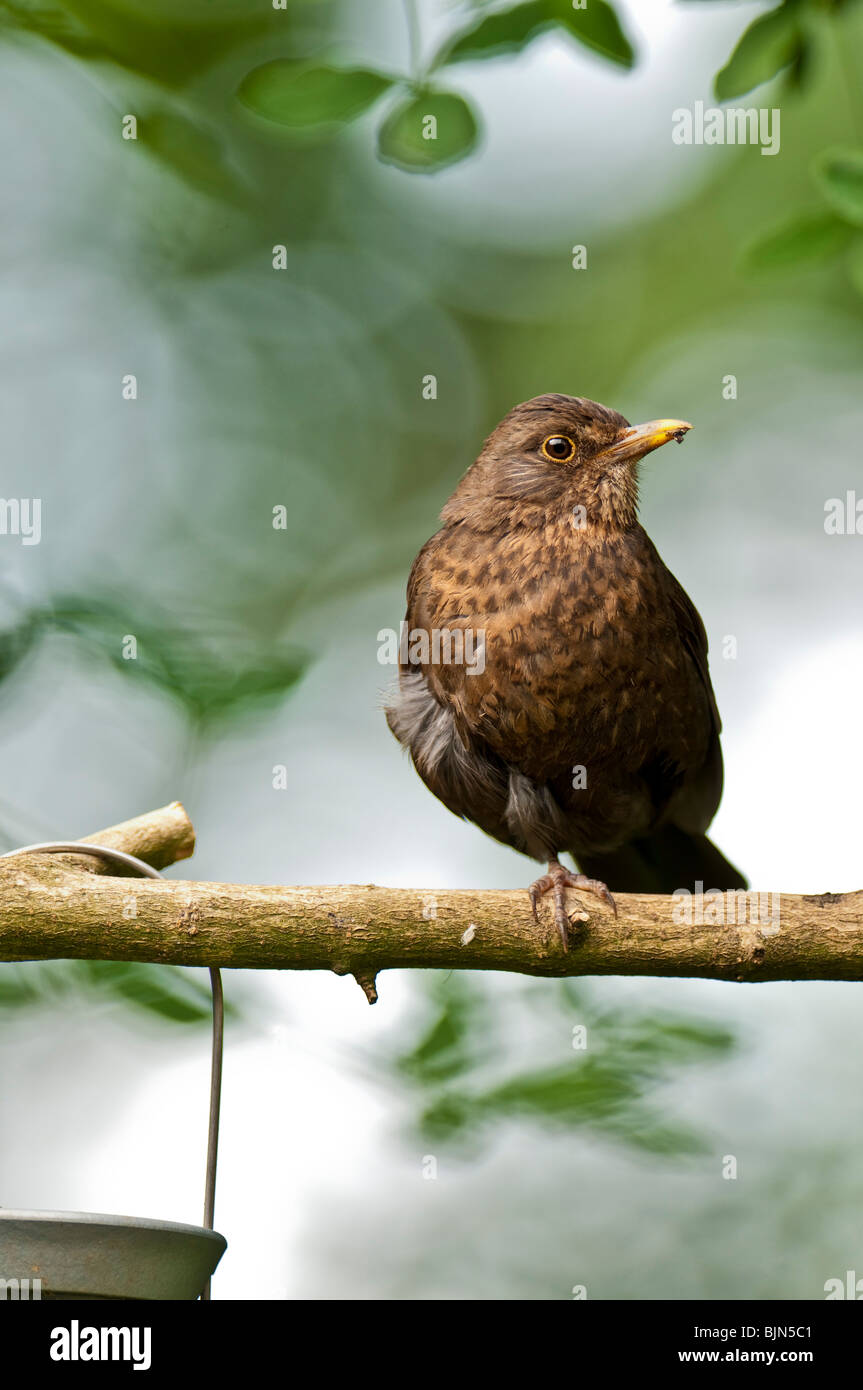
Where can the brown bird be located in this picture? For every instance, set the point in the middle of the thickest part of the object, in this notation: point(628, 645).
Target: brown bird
point(553, 681)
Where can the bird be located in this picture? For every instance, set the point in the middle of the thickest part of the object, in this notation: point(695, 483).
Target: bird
point(553, 685)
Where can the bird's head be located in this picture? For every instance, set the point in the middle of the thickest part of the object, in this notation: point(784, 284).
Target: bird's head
point(558, 453)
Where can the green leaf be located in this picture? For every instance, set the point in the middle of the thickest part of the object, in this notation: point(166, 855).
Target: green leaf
point(213, 675)
point(509, 31)
point(167, 991)
point(597, 27)
point(18, 988)
point(855, 265)
point(604, 1090)
point(428, 132)
point(170, 47)
point(446, 1118)
point(814, 237)
point(498, 34)
point(655, 1136)
point(770, 43)
point(55, 24)
point(584, 1090)
point(304, 97)
point(17, 642)
point(654, 1042)
point(455, 1040)
point(839, 174)
point(598, 1093)
point(190, 150)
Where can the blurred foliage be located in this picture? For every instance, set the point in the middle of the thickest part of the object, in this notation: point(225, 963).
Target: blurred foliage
point(818, 235)
point(172, 46)
point(303, 96)
point(812, 237)
point(428, 127)
point(212, 672)
point(506, 31)
point(840, 177)
point(167, 992)
point(192, 151)
point(789, 39)
point(773, 42)
point(467, 1075)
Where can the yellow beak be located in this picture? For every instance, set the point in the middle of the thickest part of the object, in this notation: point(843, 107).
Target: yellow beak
point(639, 440)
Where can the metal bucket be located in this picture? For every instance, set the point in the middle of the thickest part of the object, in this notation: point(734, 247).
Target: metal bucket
point(75, 1255)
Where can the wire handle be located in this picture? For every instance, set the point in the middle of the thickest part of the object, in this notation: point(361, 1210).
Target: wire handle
point(119, 856)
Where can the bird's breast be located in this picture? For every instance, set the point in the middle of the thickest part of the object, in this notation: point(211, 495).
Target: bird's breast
point(582, 655)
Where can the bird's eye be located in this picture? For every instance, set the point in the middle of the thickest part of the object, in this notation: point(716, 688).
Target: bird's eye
point(558, 447)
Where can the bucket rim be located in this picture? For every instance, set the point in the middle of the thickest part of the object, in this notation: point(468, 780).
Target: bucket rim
point(95, 1218)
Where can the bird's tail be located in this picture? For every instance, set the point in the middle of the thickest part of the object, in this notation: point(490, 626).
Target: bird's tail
point(669, 859)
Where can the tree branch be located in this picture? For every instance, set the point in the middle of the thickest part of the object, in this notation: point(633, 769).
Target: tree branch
point(160, 838)
point(52, 909)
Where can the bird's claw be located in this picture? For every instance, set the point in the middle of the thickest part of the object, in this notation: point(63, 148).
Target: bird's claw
point(557, 881)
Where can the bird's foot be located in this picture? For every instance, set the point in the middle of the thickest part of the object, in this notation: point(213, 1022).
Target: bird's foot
point(557, 881)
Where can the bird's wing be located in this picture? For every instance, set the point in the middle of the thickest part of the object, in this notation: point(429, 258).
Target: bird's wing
point(464, 774)
point(428, 611)
point(695, 804)
point(415, 589)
